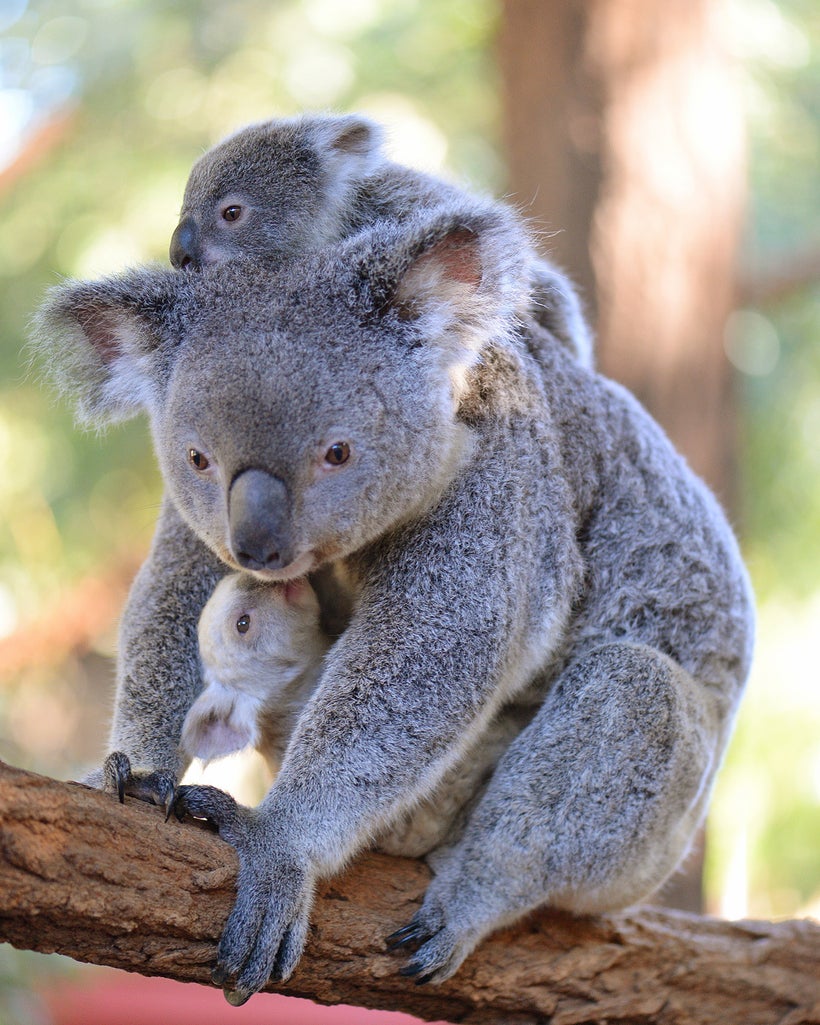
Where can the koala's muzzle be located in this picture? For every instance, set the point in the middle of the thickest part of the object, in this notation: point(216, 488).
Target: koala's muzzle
point(185, 252)
point(258, 517)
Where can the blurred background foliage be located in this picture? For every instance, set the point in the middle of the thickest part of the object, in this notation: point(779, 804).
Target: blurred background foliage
point(104, 105)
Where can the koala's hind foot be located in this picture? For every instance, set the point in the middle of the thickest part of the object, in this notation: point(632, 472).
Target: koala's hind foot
point(155, 787)
point(440, 950)
point(266, 932)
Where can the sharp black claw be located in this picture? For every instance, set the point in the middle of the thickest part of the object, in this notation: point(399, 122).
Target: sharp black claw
point(178, 806)
point(401, 937)
point(170, 800)
point(219, 976)
point(403, 942)
point(409, 970)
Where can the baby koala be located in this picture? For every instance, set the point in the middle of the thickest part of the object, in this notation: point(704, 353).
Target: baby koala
point(262, 649)
point(278, 189)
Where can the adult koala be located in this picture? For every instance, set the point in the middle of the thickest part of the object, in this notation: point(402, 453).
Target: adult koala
point(524, 555)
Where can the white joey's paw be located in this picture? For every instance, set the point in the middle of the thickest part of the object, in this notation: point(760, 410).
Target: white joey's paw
point(266, 931)
point(157, 786)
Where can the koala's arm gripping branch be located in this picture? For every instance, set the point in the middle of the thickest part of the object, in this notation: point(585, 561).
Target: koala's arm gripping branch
point(117, 885)
point(159, 664)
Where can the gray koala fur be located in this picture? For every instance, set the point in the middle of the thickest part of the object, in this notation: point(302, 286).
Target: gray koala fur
point(257, 681)
point(530, 568)
point(306, 181)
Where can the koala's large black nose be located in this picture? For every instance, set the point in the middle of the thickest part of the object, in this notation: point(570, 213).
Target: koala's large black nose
point(258, 517)
point(184, 251)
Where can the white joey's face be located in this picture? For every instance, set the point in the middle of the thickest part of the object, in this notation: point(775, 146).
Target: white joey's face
point(254, 636)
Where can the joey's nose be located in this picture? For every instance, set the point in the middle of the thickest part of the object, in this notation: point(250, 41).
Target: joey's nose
point(257, 516)
point(184, 251)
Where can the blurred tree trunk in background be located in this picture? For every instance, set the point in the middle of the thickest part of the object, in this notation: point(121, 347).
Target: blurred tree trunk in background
point(624, 136)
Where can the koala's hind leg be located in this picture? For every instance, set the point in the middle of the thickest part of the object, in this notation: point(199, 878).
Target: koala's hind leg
point(590, 808)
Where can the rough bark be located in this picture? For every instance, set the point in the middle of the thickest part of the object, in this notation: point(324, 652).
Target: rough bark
point(117, 885)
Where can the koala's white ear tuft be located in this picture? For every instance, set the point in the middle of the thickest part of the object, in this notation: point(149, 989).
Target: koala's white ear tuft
point(97, 341)
point(358, 135)
point(220, 722)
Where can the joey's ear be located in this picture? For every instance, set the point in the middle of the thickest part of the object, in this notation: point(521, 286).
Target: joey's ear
point(102, 342)
point(352, 144)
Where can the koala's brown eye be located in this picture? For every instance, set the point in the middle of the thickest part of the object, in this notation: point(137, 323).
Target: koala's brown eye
point(337, 454)
point(198, 460)
point(231, 213)
point(243, 624)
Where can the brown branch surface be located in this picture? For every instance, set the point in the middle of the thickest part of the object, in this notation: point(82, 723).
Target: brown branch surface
point(117, 885)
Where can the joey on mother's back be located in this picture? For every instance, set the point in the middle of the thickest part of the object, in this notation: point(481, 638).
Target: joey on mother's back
point(276, 190)
point(531, 570)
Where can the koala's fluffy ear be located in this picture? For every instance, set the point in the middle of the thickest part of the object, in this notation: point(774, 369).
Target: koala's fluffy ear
point(102, 342)
point(350, 145)
point(464, 276)
point(447, 273)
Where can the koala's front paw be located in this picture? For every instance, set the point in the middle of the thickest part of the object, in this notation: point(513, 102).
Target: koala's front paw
point(156, 787)
point(442, 948)
point(266, 932)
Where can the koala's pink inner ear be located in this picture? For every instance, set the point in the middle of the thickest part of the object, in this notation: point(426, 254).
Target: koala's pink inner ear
point(103, 330)
point(459, 256)
point(450, 271)
point(357, 138)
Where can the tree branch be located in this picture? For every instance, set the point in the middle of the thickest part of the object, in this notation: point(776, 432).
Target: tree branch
point(117, 885)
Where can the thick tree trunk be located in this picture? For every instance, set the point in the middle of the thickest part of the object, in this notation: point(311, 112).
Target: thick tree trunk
point(117, 885)
point(624, 136)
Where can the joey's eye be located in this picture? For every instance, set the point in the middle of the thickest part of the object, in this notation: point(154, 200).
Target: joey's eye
point(232, 212)
point(198, 460)
point(243, 624)
point(337, 454)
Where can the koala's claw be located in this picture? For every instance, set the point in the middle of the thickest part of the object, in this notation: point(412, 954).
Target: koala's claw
point(208, 804)
point(267, 929)
point(156, 787)
point(441, 949)
point(237, 997)
point(410, 969)
point(116, 772)
point(410, 933)
point(413, 969)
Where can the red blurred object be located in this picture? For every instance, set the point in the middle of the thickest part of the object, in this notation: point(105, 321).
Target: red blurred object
point(111, 997)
